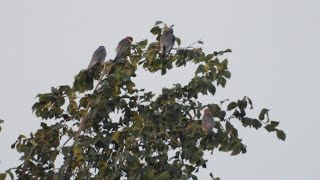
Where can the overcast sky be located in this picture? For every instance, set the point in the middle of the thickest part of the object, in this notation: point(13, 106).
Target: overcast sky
point(274, 61)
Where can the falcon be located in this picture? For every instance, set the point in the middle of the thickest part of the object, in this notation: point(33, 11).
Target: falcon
point(167, 41)
point(98, 57)
point(207, 122)
point(123, 49)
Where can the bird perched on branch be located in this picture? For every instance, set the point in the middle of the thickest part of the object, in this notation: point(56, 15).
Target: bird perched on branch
point(98, 57)
point(207, 122)
point(123, 49)
point(167, 41)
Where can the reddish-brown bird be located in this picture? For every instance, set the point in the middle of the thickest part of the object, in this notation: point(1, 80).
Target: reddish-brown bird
point(167, 41)
point(123, 49)
point(207, 122)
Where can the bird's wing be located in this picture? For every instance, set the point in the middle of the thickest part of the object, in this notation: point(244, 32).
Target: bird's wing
point(92, 63)
point(122, 49)
point(162, 42)
point(169, 43)
point(98, 56)
point(121, 46)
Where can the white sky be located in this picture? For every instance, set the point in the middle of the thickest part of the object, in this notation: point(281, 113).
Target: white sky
point(274, 61)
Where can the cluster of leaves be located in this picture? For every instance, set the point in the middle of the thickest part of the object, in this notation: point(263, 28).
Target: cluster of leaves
point(152, 137)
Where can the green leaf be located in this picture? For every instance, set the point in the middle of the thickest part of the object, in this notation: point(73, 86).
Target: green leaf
point(225, 64)
point(236, 149)
point(256, 124)
point(178, 41)
point(3, 176)
point(274, 123)
point(163, 71)
point(194, 177)
point(44, 125)
point(163, 176)
point(72, 107)
point(209, 57)
point(227, 51)
point(211, 175)
point(231, 106)
point(189, 169)
point(115, 136)
point(281, 135)
point(46, 97)
point(78, 153)
point(130, 87)
point(212, 89)
point(243, 149)
point(158, 22)
point(83, 102)
point(60, 101)
point(250, 102)
point(142, 44)
point(155, 30)
point(222, 81)
point(269, 128)
point(263, 112)
point(200, 69)
point(222, 52)
point(10, 174)
point(227, 74)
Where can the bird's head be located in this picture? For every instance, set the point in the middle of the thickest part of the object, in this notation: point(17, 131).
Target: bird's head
point(129, 38)
point(207, 112)
point(169, 30)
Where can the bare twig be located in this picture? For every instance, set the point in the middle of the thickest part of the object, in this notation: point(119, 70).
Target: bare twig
point(65, 143)
point(173, 139)
point(192, 44)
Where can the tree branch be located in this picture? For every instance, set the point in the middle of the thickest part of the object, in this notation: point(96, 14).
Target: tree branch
point(84, 117)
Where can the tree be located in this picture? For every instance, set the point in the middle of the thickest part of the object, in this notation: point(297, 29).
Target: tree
point(155, 136)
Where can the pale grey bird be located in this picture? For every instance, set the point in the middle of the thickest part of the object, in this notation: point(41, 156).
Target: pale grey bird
point(167, 41)
point(98, 57)
point(123, 49)
point(207, 122)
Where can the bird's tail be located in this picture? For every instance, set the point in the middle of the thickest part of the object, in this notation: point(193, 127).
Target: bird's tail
point(116, 58)
point(91, 65)
point(90, 71)
point(162, 54)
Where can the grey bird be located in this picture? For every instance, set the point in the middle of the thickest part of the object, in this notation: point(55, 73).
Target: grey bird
point(207, 122)
point(167, 41)
point(98, 57)
point(123, 49)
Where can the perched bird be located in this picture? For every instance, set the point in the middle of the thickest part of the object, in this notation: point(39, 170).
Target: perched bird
point(123, 49)
point(167, 41)
point(207, 122)
point(98, 57)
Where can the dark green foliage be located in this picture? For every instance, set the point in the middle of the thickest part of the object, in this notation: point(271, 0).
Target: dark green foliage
point(135, 145)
